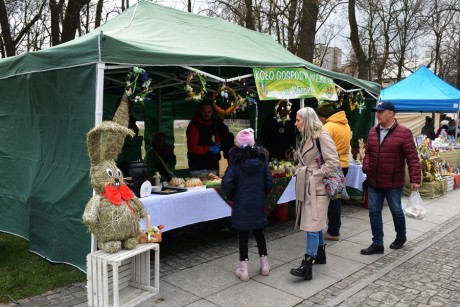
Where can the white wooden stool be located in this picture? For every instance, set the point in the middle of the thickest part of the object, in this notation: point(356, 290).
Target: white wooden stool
point(122, 278)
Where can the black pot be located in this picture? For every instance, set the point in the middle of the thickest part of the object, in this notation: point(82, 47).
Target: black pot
point(138, 171)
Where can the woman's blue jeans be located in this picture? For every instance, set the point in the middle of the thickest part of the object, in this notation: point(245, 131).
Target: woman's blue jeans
point(393, 197)
point(314, 239)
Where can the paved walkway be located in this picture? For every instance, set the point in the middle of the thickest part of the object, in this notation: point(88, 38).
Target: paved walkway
point(426, 272)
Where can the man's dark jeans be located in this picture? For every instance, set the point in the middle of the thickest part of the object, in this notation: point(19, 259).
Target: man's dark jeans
point(334, 214)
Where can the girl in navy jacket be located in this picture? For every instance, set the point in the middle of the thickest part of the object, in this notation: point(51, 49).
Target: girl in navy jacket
point(246, 182)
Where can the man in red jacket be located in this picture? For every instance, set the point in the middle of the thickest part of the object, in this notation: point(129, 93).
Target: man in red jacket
point(203, 142)
point(389, 146)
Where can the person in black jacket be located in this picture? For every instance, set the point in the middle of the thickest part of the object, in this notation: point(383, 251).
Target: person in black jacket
point(246, 182)
point(428, 129)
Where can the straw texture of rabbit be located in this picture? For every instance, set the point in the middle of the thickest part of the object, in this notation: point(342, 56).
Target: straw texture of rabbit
point(112, 214)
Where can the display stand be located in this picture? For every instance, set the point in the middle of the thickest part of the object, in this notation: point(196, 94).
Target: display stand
point(122, 278)
point(449, 183)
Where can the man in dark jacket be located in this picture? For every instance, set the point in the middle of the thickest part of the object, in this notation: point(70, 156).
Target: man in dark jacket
point(389, 146)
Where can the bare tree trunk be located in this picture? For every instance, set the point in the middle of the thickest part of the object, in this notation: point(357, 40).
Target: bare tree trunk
point(71, 19)
point(292, 15)
point(98, 17)
point(10, 43)
point(189, 6)
point(361, 59)
point(457, 81)
point(55, 10)
point(123, 5)
point(249, 18)
point(9, 48)
point(308, 19)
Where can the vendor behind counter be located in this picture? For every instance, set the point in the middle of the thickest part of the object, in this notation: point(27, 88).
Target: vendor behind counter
point(160, 157)
point(278, 136)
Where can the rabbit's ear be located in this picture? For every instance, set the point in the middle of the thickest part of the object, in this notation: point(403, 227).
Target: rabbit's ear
point(121, 116)
point(94, 144)
point(106, 140)
point(115, 139)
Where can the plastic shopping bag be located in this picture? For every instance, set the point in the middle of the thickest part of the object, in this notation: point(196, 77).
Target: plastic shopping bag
point(415, 207)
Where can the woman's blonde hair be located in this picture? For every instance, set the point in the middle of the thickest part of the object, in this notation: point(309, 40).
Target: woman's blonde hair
point(312, 126)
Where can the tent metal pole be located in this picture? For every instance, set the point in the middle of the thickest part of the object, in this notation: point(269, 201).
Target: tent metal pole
point(240, 77)
point(100, 69)
point(204, 73)
point(99, 92)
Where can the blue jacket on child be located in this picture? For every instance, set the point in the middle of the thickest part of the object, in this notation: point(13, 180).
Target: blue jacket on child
point(246, 182)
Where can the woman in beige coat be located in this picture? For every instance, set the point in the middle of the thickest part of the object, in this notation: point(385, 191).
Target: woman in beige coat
point(311, 197)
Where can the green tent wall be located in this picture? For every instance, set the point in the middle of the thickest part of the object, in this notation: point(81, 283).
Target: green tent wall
point(51, 98)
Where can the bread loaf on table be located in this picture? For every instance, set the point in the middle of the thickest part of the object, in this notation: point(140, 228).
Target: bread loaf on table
point(176, 182)
point(193, 182)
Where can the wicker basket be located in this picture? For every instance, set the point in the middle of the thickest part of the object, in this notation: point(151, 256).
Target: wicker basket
point(155, 238)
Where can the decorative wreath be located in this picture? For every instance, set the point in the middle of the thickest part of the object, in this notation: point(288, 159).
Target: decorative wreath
point(246, 101)
point(131, 85)
point(226, 92)
point(283, 111)
point(189, 89)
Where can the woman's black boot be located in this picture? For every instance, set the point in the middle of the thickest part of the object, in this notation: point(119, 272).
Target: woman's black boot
point(305, 269)
point(321, 255)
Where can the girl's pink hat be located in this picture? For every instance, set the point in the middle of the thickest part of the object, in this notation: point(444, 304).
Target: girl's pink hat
point(245, 137)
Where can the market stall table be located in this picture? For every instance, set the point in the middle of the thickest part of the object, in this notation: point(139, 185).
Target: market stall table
point(201, 205)
point(186, 208)
point(355, 177)
point(282, 192)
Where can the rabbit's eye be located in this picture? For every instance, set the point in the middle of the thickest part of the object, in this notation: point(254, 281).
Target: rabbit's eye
point(109, 172)
point(119, 173)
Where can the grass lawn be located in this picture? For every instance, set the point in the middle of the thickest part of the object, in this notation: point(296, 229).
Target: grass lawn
point(24, 274)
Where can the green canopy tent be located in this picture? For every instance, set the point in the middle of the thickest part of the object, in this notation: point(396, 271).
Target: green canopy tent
point(51, 98)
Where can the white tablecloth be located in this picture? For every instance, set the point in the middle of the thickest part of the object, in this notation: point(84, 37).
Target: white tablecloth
point(288, 193)
point(355, 176)
point(181, 209)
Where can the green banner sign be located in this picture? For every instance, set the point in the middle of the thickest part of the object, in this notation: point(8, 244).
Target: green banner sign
point(275, 83)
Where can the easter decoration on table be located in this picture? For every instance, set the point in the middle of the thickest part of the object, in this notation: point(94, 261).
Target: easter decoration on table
point(152, 234)
point(112, 214)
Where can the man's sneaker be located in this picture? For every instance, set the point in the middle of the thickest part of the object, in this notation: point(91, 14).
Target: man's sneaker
point(329, 237)
point(373, 249)
point(398, 243)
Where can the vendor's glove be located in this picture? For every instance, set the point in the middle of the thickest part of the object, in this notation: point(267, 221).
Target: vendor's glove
point(214, 149)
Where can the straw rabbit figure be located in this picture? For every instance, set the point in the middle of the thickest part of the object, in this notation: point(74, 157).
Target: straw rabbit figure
point(113, 213)
point(361, 151)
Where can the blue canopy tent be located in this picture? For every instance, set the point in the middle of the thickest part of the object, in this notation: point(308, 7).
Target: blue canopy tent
point(422, 91)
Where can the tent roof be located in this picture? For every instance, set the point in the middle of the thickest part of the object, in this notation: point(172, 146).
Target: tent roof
point(422, 91)
point(148, 34)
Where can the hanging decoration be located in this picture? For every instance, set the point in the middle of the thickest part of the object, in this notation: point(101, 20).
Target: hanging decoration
point(198, 95)
point(341, 96)
point(283, 111)
point(247, 100)
point(357, 101)
point(228, 104)
point(135, 75)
